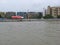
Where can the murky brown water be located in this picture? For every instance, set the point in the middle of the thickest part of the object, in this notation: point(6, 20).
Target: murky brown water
point(30, 33)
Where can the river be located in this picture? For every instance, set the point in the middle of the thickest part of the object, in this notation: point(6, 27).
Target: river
point(30, 33)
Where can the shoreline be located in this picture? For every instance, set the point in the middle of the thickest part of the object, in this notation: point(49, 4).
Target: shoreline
point(21, 20)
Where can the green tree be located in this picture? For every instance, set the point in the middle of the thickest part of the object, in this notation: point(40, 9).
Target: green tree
point(8, 16)
point(48, 17)
point(58, 16)
point(0, 16)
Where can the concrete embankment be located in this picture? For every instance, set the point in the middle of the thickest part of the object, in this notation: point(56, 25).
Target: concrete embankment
point(18, 20)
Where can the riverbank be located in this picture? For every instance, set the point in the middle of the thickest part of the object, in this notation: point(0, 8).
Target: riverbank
point(18, 20)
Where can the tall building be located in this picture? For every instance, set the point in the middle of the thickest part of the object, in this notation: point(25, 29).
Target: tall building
point(54, 11)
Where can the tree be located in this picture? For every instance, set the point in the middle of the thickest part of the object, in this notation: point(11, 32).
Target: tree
point(48, 17)
point(0, 16)
point(58, 16)
point(8, 16)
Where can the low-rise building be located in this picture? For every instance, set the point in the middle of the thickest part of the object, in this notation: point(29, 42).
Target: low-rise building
point(9, 14)
point(24, 14)
point(33, 15)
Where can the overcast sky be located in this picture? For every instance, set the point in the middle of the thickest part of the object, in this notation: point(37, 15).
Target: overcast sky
point(27, 5)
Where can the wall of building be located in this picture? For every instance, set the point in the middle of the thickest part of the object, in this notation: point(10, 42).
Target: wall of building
point(24, 14)
point(33, 15)
point(54, 11)
point(9, 14)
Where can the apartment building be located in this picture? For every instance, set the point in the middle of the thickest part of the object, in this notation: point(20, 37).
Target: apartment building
point(54, 11)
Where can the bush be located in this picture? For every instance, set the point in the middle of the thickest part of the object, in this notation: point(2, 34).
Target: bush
point(48, 17)
point(0, 16)
point(58, 16)
point(9, 17)
point(39, 17)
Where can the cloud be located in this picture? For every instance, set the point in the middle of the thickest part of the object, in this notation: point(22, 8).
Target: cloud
point(3, 1)
point(24, 5)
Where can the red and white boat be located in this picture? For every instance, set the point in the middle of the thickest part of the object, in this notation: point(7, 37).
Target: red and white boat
point(17, 17)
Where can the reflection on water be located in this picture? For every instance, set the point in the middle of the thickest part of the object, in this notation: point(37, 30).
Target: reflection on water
point(30, 33)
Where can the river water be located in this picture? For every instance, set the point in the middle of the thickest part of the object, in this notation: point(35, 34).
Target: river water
point(30, 33)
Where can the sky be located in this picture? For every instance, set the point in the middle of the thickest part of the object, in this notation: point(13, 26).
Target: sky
point(27, 5)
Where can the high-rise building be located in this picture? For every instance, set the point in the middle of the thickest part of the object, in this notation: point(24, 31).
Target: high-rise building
point(54, 11)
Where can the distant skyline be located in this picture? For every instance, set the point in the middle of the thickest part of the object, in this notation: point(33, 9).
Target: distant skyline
point(26, 5)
